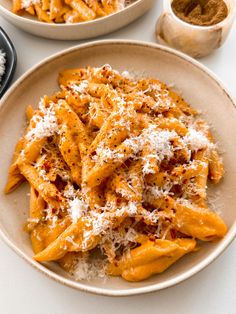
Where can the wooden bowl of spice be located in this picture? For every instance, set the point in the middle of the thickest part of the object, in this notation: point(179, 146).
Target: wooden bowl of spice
point(196, 27)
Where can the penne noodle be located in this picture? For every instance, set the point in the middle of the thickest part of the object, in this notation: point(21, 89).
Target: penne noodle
point(72, 16)
point(82, 9)
point(151, 258)
point(210, 228)
point(55, 9)
point(105, 167)
point(46, 233)
point(15, 178)
point(172, 125)
point(42, 15)
point(216, 167)
point(46, 189)
point(16, 6)
point(30, 10)
point(71, 240)
point(29, 112)
point(46, 5)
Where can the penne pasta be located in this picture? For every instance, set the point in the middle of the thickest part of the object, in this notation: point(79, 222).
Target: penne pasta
point(118, 168)
point(151, 258)
point(48, 191)
point(67, 11)
point(16, 6)
point(199, 223)
point(84, 12)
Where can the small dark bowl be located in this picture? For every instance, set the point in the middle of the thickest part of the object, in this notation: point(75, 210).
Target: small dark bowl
point(11, 59)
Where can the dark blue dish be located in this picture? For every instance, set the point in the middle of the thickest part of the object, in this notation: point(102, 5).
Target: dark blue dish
point(11, 59)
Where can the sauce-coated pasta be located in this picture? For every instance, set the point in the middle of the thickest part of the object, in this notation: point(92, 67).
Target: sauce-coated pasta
point(118, 169)
point(67, 11)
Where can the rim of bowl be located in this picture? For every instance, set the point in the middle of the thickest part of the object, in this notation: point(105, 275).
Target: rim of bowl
point(71, 25)
point(224, 243)
point(230, 16)
point(11, 56)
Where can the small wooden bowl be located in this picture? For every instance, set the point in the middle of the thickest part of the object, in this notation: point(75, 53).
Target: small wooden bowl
point(196, 41)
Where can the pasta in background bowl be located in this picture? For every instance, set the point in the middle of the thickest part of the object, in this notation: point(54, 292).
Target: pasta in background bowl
point(150, 61)
point(75, 19)
point(67, 11)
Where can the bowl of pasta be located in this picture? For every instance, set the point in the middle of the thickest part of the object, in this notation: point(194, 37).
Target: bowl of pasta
point(70, 19)
point(118, 178)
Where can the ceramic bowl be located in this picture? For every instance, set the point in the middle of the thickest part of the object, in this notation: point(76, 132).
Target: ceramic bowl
point(11, 59)
point(76, 31)
point(198, 86)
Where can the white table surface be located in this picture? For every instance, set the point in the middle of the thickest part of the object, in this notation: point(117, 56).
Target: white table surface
point(25, 291)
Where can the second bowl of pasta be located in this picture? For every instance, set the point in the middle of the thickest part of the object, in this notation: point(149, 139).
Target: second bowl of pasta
point(72, 20)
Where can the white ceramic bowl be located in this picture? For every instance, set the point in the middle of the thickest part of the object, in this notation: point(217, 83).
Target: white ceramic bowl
point(199, 87)
point(76, 31)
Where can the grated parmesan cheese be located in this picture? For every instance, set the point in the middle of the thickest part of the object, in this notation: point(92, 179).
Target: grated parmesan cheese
point(2, 64)
point(89, 269)
point(80, 87)
point(159, 141)
point(42, 173)
point(131, 209)
point(196, 140)
point(77, 209)
point(105, 153)
point(215, 201)
point(33, 220)
point(46, 125)
point(50, 216)
point(27, 3)
point(117, 238)
point(127, 75)
point(69, 192)
point(101, 222)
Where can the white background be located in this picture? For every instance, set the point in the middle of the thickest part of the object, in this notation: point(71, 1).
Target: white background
point(25, 291)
